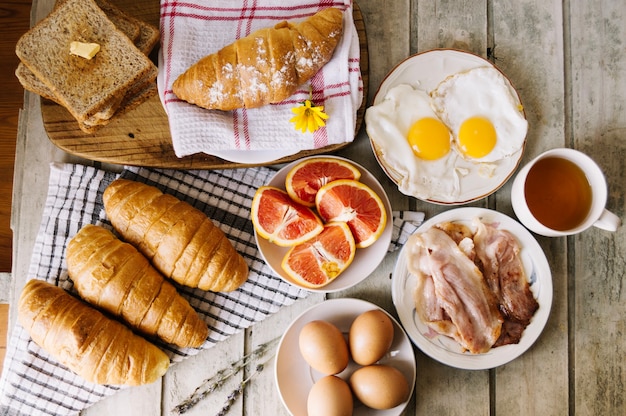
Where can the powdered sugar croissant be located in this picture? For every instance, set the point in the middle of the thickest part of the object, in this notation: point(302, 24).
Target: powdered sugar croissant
point(179, 240)
point(264, 67)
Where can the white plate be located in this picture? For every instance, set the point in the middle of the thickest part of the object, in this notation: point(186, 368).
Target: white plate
point(253, 156)
point(425, 71)
point(445, 349)
point(294, 377)
point(365, 260)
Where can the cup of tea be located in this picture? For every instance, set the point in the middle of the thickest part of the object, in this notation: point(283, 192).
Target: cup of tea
point(562, 192)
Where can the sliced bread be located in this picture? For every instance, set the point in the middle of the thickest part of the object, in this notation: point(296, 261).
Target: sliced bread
point(146, 37)
point(84, 87)
point(121, 20)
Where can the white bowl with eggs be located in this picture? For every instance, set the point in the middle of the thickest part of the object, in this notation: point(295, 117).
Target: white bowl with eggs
point(476, 135)
point(295, 377)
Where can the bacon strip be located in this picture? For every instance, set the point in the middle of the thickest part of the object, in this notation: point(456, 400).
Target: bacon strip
point(459, 287)
point(499, 253)
point(430, 310)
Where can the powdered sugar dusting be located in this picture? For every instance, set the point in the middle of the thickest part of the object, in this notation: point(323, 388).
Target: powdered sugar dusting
point(253, 78)
point(227, 71)
point(216, 92)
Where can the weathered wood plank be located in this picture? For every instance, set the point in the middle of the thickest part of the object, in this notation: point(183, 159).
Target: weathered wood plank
point(598, 96)
point(449, 24)
point(184, 377)
point(261, 395)
point(142, 400)
point(528, 48)
point(387, 27)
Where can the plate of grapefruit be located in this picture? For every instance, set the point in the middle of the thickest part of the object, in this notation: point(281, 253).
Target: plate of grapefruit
point(322, 223)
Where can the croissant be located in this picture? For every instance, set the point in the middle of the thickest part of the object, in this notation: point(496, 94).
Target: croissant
point(264, 67)
point(180, 240)
point(97, 348)
point(118, 279)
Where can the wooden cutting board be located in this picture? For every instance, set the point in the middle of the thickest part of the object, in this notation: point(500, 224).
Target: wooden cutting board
point(141, 137)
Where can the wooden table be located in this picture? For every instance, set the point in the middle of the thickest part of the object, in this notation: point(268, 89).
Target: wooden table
point(568, 62)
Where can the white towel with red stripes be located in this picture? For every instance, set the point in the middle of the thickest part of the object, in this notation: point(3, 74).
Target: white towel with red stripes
point(193, 29)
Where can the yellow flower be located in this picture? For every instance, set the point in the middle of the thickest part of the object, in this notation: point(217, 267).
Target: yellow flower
point(309, 117)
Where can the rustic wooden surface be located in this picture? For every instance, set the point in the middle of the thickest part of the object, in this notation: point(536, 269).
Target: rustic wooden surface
point(142, 136)
point(15, 20)
point(568, 62)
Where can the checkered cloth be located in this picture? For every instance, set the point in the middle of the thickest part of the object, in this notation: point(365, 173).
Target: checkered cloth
point(34, 383)
point(193, 29)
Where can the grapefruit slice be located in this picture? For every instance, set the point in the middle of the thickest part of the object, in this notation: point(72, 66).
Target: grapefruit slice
point(307, 177)
point(356, 204)
point(318, 261)
point(281, 220)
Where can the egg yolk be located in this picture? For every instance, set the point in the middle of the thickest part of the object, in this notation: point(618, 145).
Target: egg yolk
point(477, 137)
point(429, 138)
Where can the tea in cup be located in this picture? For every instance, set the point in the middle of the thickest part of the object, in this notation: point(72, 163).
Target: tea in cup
point(562, 192)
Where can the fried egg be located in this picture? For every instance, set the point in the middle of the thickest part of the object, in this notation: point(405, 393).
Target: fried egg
point(414, 143)
point(485, 118)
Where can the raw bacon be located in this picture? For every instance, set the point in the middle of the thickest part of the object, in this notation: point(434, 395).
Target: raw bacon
point(471, 285)
point(499, 253)
point(459, 287)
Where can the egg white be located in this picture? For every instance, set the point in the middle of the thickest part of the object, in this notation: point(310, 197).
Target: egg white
point(484, 92)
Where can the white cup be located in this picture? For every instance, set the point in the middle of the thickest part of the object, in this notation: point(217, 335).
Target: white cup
point(598, 215)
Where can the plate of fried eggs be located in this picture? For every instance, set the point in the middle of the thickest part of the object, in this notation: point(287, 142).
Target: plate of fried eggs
point(447, 127)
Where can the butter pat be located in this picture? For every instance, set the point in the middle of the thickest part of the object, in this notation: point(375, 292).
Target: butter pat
point(84, 50)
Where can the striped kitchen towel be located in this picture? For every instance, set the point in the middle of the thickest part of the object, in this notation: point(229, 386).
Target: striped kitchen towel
point(34, 383)
point(193, 29)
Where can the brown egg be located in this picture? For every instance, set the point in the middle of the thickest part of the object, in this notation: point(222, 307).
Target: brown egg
point(330, 396)
point(323, 347)
point(371, 335)
point(379, 386)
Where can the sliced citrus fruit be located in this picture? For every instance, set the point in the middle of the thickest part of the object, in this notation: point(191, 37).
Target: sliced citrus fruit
point(318, 261)
point(281, 220)
point(355, 203)
point(307, 177)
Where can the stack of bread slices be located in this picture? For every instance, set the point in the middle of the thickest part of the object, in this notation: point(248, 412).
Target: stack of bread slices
point(118, 78)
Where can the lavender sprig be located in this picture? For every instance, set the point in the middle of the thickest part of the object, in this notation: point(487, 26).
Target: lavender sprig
point(234, 395)
point(215, 382)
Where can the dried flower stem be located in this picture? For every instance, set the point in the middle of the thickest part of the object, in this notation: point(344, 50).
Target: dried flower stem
point(232, 397)
point(215, 382)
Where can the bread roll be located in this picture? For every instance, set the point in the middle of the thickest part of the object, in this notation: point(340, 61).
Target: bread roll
point(118, 279)
point(99, 349)
point(264, 67)
point(180, 240)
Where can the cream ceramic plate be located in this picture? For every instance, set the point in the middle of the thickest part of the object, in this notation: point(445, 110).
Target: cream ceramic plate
point(365, 259)
point(253, 156)
point(294, 377)
point(445, 349)
point(425, 71)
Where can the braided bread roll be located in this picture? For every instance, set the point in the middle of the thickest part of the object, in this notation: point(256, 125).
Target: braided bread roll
point(264, 67)
point(118, 279)
point(97, 348)
point(180, 240)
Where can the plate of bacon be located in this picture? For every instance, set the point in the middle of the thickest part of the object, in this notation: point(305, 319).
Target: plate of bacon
point(473, 288)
